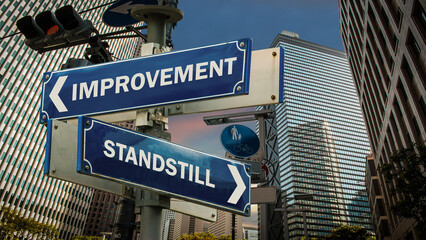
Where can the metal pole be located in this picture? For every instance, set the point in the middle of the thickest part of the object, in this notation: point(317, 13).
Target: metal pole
point(151, 214)
point(151, 211)
point(151, 217)
point(157, 29)
point(152, 204)
point(233, 226)
point(262, 134)
point(263, 209)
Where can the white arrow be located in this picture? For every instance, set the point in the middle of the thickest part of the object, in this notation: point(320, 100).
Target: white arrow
point(124, 9)
point(54, 94)
point(239, 190)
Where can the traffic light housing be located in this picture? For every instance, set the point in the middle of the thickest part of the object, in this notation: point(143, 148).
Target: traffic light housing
point(51, 31)
point(98, 52)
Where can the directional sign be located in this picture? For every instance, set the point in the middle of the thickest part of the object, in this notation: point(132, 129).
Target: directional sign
point(129, 157)
point(240, 141)
point(118, 14)
point(207, 72)
point(61, 161)
point(266, 86)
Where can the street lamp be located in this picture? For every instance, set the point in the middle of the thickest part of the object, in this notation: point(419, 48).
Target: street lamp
point(237, 117)
point(302, 196)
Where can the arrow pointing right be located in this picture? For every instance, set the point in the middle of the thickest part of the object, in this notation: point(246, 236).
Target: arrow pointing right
point(54, 94)
point(241, 187)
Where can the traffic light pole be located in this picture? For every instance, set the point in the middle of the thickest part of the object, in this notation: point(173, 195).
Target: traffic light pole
point(153, 122)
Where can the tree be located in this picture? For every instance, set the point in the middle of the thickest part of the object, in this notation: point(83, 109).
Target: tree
point(224, 237)
point(203, 236)
point(86, 238)
point(405, 176)
point(6, 222)
point(14, 226)
point(198, 236)
point(348, 232)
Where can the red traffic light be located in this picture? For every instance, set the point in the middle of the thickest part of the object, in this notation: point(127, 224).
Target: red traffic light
point(52, 30)
point(49, 32)
point(48, 23)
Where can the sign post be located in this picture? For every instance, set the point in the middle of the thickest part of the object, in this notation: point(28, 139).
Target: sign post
point(145, 162)
point(190, 77)
point(150, 204)
point(168, 78)
point(240, 140)
point(60, 162)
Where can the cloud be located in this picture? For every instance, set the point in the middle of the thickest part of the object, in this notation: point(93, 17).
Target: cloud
point(252, 220)
point(186, 127)
point(183, 128)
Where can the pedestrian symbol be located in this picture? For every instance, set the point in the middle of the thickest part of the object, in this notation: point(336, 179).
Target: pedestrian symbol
point(240, 140)
point(234, 133)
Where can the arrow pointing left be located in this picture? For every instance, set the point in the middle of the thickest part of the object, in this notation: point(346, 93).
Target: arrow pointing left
point(241, 187)
point(54, 94)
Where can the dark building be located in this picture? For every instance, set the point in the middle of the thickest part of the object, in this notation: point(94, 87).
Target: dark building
point(385, 45)
point(104, 206)
point(101, 214)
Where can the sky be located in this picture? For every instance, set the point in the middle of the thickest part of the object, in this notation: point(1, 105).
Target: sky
point(207, 22)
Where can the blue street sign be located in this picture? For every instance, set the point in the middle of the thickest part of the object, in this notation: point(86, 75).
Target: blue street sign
point(195, 74)
point(118, 14)
point(240, 141)
point(142, 161)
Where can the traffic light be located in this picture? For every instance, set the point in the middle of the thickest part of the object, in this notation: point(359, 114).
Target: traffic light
point(98, 52)
point(50, 32)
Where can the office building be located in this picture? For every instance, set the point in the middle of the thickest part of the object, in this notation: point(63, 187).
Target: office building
point(321, 140)
point(103, 209)
point(385, 45)
point(223, 226)
point(250, 233)
point(23, 186)
point(184, 224)
point(168, 224)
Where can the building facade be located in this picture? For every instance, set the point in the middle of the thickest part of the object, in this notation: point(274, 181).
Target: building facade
point(23, 186)
point(250, 233)
point(223, 226)
point(102, 211)
point(168, 224)
point(184, 224)
point(385, 44)
point(321, 140)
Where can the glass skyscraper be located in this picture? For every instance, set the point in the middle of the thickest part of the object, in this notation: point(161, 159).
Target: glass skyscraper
point(23, 186)
point(321, 140)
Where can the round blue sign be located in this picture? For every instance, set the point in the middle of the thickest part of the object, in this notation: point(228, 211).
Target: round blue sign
point(240, 141)
point(118, 14)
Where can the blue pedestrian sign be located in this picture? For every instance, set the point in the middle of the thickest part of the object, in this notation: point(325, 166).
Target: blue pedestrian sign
point(175, 77)
point(240, 141)
point(118, 14)
point(142, 161)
